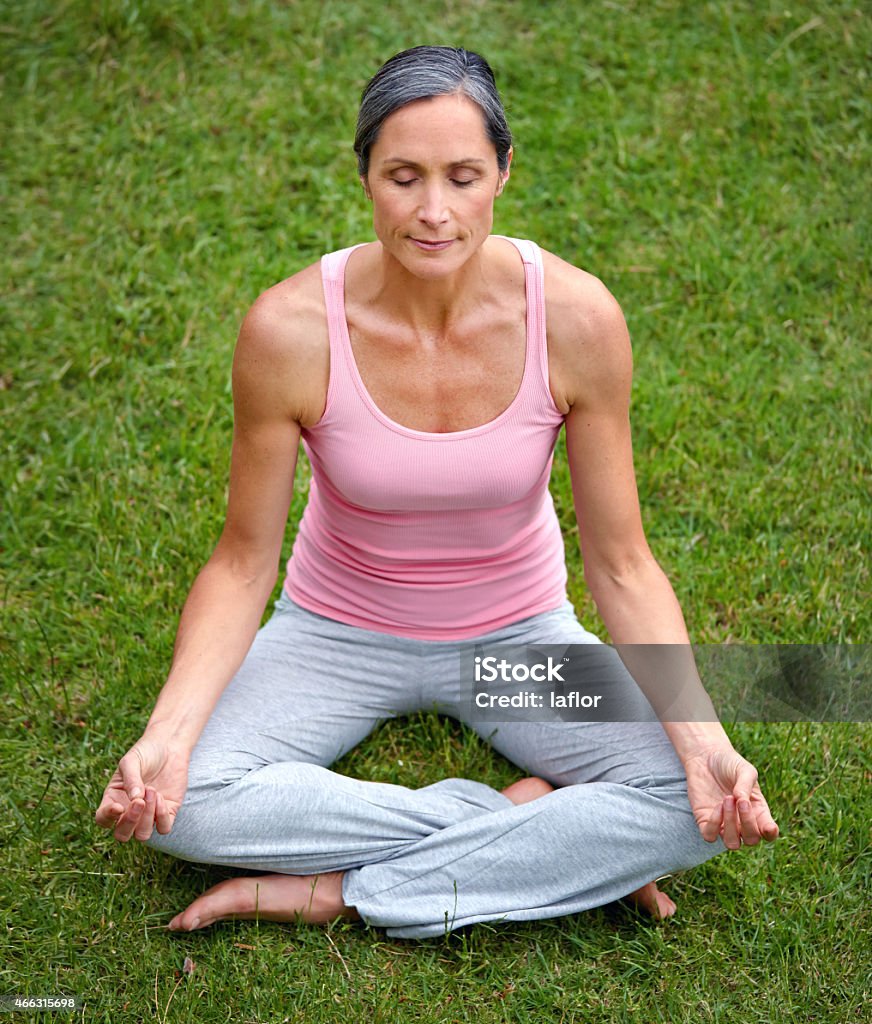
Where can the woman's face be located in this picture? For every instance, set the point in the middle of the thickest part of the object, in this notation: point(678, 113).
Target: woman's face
point(433, 178)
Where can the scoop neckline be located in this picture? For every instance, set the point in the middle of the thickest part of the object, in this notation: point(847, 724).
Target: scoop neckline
point(446, 435)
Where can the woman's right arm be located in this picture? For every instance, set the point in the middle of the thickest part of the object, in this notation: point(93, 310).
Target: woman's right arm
point(279, 378)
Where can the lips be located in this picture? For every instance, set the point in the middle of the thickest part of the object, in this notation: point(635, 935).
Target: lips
point(432, 246)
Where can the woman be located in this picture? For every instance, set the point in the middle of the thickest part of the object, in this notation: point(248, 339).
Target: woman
point(428, 374)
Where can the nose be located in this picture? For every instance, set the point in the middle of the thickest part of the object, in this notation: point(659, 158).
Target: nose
point(433, 209)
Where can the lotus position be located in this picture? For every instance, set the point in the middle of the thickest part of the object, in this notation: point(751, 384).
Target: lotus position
point(428, 374)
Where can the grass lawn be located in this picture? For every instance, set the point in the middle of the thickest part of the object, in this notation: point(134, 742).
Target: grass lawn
point(167, 161)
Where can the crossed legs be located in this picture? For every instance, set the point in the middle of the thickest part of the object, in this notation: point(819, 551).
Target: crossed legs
point(318, 899)
point(418, 862)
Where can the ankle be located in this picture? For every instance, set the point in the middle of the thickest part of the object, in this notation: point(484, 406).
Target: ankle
point(327, 902)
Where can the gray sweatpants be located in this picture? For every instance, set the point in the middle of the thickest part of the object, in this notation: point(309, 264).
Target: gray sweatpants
point(420, 862)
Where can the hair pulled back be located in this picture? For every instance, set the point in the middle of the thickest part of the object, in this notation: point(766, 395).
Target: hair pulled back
point(422, 73)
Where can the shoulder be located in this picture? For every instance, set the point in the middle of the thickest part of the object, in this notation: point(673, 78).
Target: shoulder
point(588, 342)
point(283, 321)
point(283, 350)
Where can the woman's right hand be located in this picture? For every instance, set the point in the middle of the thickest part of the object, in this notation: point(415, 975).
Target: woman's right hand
point(146, 790)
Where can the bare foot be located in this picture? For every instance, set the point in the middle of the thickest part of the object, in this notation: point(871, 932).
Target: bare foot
point(525, 790)
point(315, 899)
point(652, 900)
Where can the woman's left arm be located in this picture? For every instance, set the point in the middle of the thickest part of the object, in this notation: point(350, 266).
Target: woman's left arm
point(591, 369)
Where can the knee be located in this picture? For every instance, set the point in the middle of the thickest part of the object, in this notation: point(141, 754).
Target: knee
point(667, 820)
point(688, 845)
point(692, 850)
point(187, 837)
point(220, 818)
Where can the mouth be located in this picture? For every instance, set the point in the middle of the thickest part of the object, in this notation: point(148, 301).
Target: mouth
point(431, 246)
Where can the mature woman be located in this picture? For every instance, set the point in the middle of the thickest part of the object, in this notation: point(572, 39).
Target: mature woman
point(428, 374)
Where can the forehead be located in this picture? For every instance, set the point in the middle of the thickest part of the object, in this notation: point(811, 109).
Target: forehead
point(442, 124)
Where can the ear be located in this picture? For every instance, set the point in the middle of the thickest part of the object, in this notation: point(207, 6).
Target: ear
point(365, 183)
point(504, 175)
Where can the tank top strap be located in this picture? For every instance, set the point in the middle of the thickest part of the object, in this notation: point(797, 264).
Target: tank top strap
point(537, 341)
point(333, 278)
point(340, 381)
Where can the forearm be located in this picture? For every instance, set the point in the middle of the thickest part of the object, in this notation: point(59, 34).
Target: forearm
point(645, 622)
point(218, 624)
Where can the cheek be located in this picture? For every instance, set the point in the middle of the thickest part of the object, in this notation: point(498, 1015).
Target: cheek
point(482, 210)
point(481, 199)
point(389, 207)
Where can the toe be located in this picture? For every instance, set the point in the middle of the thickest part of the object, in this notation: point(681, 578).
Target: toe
point(230, 898)
point(665, 906)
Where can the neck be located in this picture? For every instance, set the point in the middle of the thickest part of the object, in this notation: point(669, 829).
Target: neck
point(428, 306)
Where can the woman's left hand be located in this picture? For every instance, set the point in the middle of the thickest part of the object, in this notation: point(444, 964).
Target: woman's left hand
point(726, 799)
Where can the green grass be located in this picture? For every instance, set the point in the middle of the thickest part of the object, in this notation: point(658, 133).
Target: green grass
point(165, 162)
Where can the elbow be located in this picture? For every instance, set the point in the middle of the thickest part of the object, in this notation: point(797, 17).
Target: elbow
point(248, 569)
point(627, 572)
point(253, 576)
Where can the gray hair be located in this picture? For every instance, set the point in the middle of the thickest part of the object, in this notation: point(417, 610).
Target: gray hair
point(422, 73)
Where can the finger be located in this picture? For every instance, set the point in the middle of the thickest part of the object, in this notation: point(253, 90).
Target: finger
point(731, 830)
point(766, 824)
point(745, 782)
point(108, 813)
point(711, 828)
point(145, 825)
point(165, 817)
point(128, 821)
point(770, 831)
point(756, 811)
point(748, 824)
point(131, 775)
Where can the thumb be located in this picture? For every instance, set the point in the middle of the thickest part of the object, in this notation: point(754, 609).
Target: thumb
point(746, 779)
point(131, 775)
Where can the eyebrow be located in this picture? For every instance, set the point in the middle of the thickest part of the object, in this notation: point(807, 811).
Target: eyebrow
point(467, 161)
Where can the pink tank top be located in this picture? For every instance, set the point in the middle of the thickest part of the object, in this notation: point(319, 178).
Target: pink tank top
point(437, 536)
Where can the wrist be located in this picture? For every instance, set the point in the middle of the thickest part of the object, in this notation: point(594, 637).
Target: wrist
point(179, 732)
point(691, 739)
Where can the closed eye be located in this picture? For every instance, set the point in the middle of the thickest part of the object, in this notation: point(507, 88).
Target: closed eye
point(454, 181)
